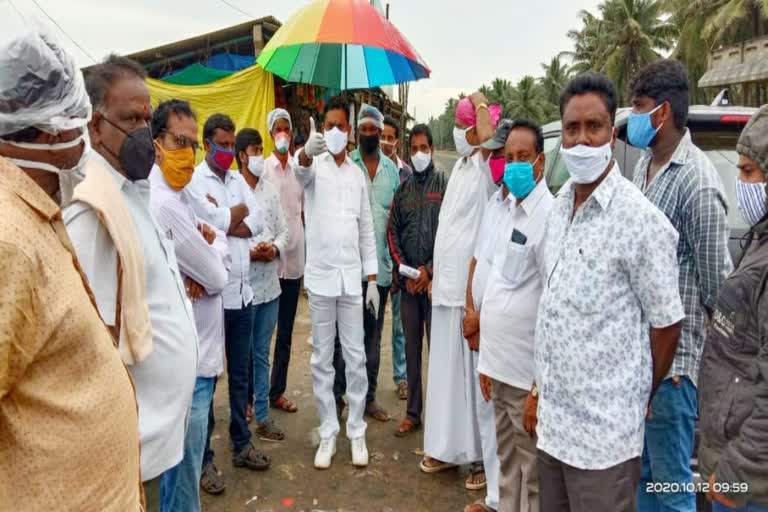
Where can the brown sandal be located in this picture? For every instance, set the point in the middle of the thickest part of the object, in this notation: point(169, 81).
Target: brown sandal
point(402, 390)
point(284, 404)
point(375, 411)
point(478, 506)
point(407, 426)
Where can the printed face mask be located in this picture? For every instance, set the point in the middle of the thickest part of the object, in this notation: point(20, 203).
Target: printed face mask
point(751, 199)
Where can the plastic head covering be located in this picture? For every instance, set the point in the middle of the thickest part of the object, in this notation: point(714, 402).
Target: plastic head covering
point(370, 115)
point(40, 85)
point(465, 113)
point(276, 114)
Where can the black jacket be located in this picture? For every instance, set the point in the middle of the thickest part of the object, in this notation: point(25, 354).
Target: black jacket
point(413, 219)
point(733, 380)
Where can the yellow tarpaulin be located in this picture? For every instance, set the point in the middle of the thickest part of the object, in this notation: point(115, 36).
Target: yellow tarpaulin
point(246, 96)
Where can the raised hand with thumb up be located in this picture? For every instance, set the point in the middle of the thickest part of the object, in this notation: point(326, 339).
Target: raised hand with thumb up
point(315, 145)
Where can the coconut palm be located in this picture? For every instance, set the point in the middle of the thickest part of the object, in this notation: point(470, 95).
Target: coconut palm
point(554, 79)
point(635, 31)
point(588, 45)
point(527, 101)
point(739, 19)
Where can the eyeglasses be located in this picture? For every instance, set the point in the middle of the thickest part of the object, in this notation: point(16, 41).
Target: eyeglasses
point(183, 141)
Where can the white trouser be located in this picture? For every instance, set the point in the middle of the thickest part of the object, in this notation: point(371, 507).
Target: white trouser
point(486, 418)
point(327, 312)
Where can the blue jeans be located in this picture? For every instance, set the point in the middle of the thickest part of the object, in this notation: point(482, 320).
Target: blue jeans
point(238, 327)
point(717, 507)
point(180, 486)
point(264, 321)
point(669, 440)
point(398, 342)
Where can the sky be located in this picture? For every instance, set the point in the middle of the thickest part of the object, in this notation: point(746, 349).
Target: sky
point(465, 43)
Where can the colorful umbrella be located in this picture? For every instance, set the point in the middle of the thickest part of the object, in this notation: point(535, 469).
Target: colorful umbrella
point(342, 44)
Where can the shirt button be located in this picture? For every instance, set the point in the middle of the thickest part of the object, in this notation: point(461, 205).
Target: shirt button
point(736, 380)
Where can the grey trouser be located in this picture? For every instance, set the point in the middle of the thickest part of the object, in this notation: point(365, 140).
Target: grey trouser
point(565, 488)
point(519, 481)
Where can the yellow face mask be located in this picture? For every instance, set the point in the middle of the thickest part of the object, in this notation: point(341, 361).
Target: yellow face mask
point(177, 165)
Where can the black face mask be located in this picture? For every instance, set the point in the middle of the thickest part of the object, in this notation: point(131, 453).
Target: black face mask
point(137, 152)
point(369, 143)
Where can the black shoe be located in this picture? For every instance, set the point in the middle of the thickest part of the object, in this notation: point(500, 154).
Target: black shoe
point(251, 459)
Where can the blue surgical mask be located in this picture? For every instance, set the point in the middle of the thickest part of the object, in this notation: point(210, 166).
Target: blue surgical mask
point(751, 199)
point(518, 178)
point(640, 130)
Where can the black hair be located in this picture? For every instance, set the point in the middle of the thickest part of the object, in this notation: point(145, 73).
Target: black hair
point(532, 126)
point(217, 122)
point(665, 80)
point(336, 103)
point(102, 76)
point(391, 122)
point(28, 134)
point(299, 140)
point(164, 110)
point(594, 83)
point(246, 137)
point(420, 129)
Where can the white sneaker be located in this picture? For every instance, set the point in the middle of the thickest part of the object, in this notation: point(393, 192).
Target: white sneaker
point(325, 453)
point(359, 452)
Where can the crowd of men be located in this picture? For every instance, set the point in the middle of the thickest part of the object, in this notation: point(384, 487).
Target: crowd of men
point(576, 339)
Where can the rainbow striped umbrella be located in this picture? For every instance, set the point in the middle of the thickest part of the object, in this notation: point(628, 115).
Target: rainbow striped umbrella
point(342, 44)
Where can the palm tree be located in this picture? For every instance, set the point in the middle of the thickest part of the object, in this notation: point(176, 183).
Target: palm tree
point(635, 31)
point(740, 18)
point(527, 101)
point(588, 45)
point(554, 79)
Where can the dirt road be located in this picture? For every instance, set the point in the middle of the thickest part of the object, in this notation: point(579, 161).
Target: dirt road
point(391, 483)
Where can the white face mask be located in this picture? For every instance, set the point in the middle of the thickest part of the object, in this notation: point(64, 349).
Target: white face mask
point(587, 163)
point(751, 199)
point(421, 161)
point(282, 143)
point(463, 147)
point(68, 178)
point(256, 165)
point(336, 140)
point(388, 148)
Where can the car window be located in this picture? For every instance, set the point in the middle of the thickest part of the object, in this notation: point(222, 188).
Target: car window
point(555, 171)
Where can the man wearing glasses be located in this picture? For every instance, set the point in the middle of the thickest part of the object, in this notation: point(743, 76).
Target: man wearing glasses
point(203, 257)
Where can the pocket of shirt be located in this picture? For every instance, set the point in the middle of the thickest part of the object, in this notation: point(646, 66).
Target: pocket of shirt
point(351, 197)
point(516, 263)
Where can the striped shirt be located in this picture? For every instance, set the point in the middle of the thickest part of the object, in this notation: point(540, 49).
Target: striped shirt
point(689, 191)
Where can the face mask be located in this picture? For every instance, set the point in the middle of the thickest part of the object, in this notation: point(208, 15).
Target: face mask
point(282, 143)
point(137, 152)
point(369, 143)
point(388, 148)
point(336, 140)
point(421, 161)
point(497, 168)
point(177, 166)
point(463, 147)
point(586, 163)
point(640, 129)
point(518, 178)
point(222, 157)
point(68, 178)
point(256, 165)
point(751, 199)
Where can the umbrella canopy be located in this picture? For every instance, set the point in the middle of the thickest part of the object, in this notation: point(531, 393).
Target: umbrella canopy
point(342, 44)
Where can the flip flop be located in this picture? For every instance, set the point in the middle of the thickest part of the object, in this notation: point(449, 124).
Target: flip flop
point(437, 468)
point(375, 411)
point(472, 483)
point(407, 427)
point(284, 404)
point(402, 390)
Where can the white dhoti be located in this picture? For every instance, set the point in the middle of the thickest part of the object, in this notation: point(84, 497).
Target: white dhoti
point(486, 418)
point(451, 429)
point(326, 313)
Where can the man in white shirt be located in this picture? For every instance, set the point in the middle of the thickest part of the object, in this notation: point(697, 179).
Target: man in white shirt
point(266, 248)
point(223, 199)
point(609, 317)
point(203, 258)
point(165, 379)
point(279, 171)
point(451, 433)
point(508, 256)
point(341, 247)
